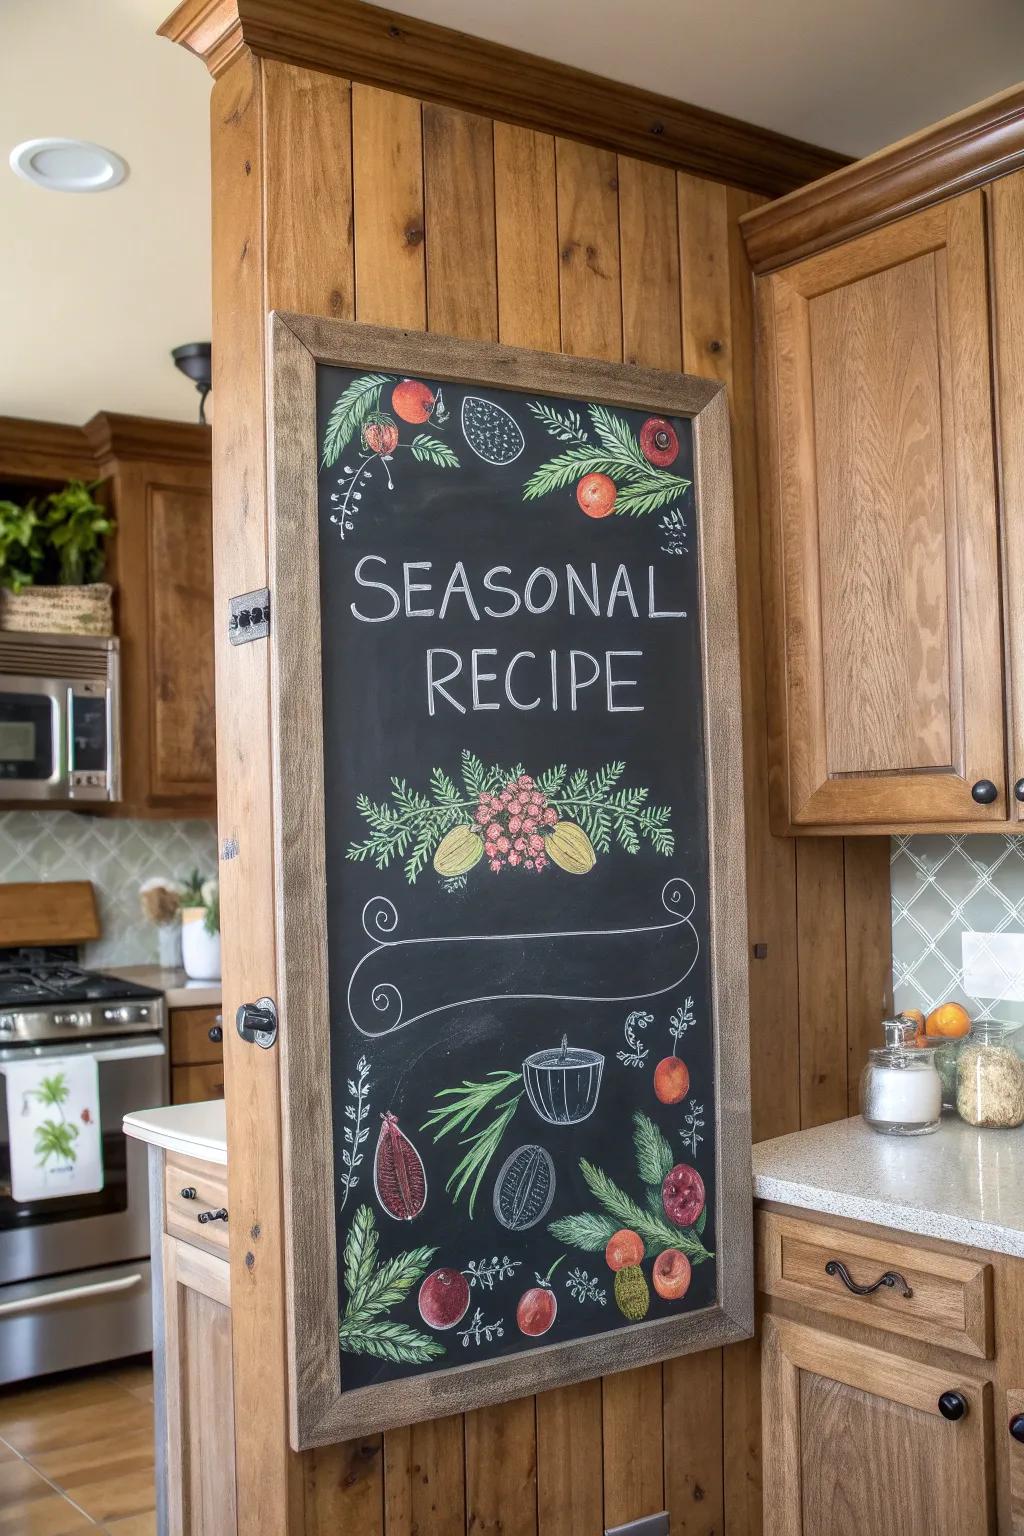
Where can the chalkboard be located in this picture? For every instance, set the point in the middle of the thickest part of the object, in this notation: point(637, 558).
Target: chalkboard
point(523, 1048)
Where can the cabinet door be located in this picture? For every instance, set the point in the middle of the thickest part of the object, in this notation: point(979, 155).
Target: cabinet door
point(196, 1084)
point(1007, 199)
point(854, 1441)
point(183, 761)
point(883, 612)
point(200, 1447)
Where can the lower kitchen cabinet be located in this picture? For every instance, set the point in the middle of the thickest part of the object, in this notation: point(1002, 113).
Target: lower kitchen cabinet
point(200, 1445)
point(197, 1055)
point(193, 1381)
point(856, 1440)
point(892, 1376)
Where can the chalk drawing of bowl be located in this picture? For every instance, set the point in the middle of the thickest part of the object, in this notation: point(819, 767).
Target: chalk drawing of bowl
point(562, 1084)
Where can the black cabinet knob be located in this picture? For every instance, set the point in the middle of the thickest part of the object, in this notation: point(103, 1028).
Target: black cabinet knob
point(1017, 1427)
point(188, 1193)
point(1018, 790)
point(215, 1033)
point(952, 1405)
point(984, 792)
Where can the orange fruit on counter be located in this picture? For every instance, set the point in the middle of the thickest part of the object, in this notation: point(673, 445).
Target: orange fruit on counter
point(948, 1020)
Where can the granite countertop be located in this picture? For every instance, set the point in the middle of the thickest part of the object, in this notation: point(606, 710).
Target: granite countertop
point(180, 991)
point(194, 1130)
point(960, 1184)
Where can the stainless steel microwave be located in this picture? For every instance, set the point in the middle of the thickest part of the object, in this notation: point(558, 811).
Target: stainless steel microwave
point(59, 718)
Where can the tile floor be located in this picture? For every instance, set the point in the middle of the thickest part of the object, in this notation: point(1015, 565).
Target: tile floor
point(76, 1454)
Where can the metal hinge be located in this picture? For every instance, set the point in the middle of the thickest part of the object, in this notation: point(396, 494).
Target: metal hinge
point(249, 616)
point(257, 1022)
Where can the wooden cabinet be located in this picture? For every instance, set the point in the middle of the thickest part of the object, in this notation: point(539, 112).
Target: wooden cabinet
point(192, 1347)
point(197, 1054)
point(158, 482)
point(161, 564)
point(858, 1441)
point(859, 1433)
point(883, 601)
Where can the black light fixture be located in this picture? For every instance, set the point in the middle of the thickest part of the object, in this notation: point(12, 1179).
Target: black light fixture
point(194, 361)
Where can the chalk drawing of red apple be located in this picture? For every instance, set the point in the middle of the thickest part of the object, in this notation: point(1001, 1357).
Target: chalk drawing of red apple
point(444, 1298)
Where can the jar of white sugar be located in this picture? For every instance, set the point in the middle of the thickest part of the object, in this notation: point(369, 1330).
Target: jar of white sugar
point(900, 1088)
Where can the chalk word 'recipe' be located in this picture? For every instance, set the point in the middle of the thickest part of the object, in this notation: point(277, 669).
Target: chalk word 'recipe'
point(534, 954)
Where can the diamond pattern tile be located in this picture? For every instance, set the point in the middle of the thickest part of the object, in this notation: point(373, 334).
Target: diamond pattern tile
point(117, 856)
point(942, 888)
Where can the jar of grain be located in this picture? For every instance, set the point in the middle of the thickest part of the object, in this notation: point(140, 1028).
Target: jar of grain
point(990, 1077)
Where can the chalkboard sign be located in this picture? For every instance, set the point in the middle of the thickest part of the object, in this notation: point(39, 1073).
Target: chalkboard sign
point(511, 871)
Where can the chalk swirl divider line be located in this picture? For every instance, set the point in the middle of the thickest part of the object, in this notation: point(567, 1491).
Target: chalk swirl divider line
point(380, 916)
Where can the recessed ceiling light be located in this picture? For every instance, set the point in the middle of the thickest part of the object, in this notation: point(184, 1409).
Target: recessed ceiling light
point(68, 165)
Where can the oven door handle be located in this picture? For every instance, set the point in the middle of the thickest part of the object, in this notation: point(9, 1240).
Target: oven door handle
point(99, 1052)
point(75, 1293)
point(130, 1052)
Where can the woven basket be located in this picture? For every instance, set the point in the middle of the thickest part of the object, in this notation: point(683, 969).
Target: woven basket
point(59, 610)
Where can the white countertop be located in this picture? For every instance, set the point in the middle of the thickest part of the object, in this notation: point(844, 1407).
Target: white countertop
point(960, 1184)
point(180, 991)
point(195, 1130)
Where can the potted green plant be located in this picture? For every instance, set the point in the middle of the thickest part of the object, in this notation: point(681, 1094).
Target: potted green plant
point(52, 555)
point(200, 927)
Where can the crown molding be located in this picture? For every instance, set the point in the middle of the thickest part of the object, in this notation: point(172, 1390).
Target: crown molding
point(54, 450)
point(111, 435)
point(954, 156)
point(43, 450)
point(374, 46)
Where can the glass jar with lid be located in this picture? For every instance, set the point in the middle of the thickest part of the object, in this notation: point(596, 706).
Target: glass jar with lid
point(900, 1090)
point(990, 1077)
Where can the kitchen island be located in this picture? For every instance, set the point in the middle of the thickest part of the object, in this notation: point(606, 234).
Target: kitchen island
point(891, 1278)
point(192, 1372)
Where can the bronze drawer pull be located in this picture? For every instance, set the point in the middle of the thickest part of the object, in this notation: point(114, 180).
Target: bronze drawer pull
point(205, 1216)
point(891, 1278)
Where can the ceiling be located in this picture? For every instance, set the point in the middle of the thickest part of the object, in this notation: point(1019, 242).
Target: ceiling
point(96, 289)
point(851, 75)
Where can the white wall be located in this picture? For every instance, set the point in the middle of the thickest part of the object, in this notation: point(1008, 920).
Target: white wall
point(95, 289)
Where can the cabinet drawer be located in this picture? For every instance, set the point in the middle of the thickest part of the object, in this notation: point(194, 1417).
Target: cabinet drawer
point(950, 1302)
point(193, 1085)
point(190, 1036)
point(209, 1181)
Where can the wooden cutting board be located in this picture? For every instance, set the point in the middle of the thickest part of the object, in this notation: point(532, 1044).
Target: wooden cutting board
point(48, 912)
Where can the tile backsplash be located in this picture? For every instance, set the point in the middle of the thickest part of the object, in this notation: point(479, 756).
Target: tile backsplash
point(942, 888)
point(117, 856)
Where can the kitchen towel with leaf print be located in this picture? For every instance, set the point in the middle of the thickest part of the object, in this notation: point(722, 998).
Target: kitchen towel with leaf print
point(53, 1118)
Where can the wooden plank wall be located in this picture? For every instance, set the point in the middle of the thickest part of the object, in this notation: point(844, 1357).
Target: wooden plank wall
point(350, 201)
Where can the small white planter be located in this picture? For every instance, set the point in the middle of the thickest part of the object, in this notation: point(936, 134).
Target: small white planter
point(200, 951)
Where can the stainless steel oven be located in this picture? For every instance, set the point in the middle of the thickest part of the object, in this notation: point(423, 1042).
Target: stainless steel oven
point(74, 1270)
point(59, 718)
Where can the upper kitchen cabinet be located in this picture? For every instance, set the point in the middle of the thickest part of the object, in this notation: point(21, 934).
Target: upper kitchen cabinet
point(161, 566)
point(888, 688)
point(880, 517)
point(156, 478)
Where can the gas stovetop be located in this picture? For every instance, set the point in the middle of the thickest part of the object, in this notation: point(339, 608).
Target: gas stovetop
point(47, 995)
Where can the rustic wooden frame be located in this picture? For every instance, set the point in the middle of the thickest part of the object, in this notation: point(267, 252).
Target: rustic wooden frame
point(319, 1415)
